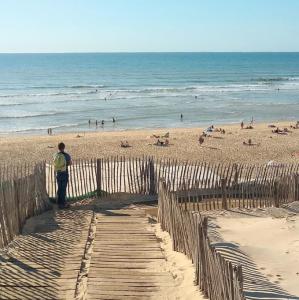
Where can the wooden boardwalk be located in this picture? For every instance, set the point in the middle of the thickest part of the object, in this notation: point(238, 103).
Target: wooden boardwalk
point(43, 262)
point(126, 260)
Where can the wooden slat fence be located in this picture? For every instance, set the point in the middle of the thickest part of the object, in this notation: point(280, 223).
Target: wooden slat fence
point(257, 191)
point(21, 198)
point(218, 278)
point(210, 186)
point(107, 175)
point(9, 171)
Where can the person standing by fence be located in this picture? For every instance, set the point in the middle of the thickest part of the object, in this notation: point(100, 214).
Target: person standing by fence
point(61, 162)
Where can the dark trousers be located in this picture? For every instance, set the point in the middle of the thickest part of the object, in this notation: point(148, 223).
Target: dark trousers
point(62, 181)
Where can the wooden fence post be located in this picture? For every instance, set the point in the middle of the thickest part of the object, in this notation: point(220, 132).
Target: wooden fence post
point(223, 189)
point(99, 177)
point(205, 226)
point(236, 175)
point(152, 177)
point(275, 194)
point(296, 182)
point(239, 272)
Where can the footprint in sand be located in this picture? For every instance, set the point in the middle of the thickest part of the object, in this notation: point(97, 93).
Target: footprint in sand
point(276, 281)
point(262, 268)
point(269, 275)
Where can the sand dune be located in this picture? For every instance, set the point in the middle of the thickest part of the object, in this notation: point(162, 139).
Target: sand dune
point(270, 238)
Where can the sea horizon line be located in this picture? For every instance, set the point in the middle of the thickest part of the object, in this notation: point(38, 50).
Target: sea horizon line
point(155, 52)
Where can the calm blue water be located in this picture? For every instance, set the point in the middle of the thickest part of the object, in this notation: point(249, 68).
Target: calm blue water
point(148, 90)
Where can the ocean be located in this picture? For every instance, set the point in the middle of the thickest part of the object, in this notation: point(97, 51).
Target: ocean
point(145, 90)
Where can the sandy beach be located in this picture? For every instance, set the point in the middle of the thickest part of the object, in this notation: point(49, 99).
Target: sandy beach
point(184, 145)
point(269, 237)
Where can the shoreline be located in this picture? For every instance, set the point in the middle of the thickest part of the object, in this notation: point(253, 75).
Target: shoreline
point(113, 129)
point(183, 146)
point(100, 130)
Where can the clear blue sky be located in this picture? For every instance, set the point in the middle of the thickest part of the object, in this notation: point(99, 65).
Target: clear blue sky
point(148, 25)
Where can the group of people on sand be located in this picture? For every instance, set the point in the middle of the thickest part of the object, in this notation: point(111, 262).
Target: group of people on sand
point(250, 126)
point(50, 132)
point(296, 126)
point(206, 133)
point(285, 130)
point(281, 131)
point(124, 144)
point(212, 129)
point(161, 140)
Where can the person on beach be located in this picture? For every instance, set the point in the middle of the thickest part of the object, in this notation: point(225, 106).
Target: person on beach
point(242, 125)
point(201, 139)
point(124, 144)
point(182, 117)
point(89, 123)
point(113, 120)
point(103, 122)
point(96, 123)
point(62, 161)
